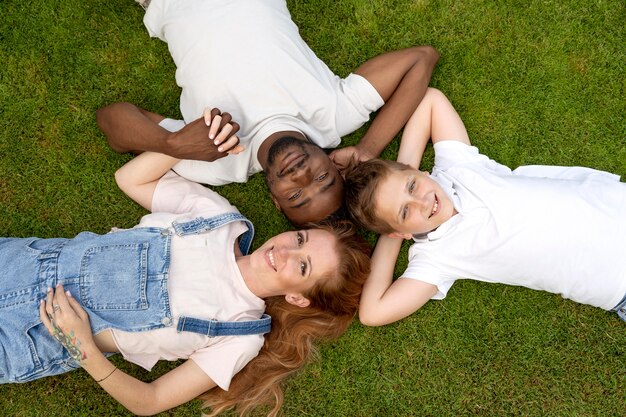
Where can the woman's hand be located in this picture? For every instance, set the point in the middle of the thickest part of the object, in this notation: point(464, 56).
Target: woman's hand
point(68, 323)
point(222, 130)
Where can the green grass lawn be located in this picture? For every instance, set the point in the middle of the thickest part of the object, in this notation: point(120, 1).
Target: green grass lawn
point(536, 82)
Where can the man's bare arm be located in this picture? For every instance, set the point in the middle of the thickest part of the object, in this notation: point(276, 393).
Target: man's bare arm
point(129, 128)
point(401, 78)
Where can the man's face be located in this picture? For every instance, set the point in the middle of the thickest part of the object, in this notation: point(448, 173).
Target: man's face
point(304, 183)
point(412, 203)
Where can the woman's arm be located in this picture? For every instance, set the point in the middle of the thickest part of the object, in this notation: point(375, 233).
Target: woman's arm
point(68, 322)
point(384, 301)
point(138, 177)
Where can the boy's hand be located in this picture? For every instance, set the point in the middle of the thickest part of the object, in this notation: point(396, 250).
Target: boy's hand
point(68, 323)
point(208, 138)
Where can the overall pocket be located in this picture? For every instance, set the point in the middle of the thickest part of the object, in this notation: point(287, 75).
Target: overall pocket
point(46, 356)
point(114, 277)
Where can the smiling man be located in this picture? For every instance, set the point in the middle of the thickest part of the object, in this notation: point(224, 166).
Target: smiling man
point(301, 179)
point(246, 57)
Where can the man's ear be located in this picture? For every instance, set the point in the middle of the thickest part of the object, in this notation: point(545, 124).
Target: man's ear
point(397, 235)
point(297, 300)
point(276, 204)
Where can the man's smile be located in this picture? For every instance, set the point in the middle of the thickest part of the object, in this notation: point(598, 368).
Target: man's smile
point(291, 162)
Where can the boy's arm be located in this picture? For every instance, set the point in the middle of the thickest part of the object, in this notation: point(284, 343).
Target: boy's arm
point(384, 301)
point(401, 78)
point(129, 128)
point(435, 118)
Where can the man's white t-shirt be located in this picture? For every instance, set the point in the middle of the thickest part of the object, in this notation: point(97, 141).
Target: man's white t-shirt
point(556, 229)
point(247, 58)
point(204, 282)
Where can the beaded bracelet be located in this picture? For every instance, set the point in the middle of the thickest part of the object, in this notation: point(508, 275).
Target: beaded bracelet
point(100, 380)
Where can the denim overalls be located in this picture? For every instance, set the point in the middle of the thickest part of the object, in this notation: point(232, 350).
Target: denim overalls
point(119, 278)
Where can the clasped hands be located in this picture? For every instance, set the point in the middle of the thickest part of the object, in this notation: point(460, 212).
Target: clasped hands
point(209, 138)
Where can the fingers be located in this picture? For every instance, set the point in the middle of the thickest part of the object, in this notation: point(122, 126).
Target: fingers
point(237, 149)
point(49, 303)
point(222, 127)
point(44, 316)
point(215, 126)
point(78, 309)
point(67, 322)
point(218, 121)
point(227, 140)
point(337, 159)
point(49, 311)
point(60, 304)
point(222, 131)
point(209, 114)
point(343, 158)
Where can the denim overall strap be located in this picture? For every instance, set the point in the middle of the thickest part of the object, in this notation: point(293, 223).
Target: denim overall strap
point(214, 328)
point(203, 224)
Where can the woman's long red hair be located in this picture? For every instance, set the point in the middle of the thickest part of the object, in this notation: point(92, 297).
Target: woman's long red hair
point(295, 330)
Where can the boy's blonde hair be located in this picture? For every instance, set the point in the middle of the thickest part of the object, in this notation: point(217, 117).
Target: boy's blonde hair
point(361, 184)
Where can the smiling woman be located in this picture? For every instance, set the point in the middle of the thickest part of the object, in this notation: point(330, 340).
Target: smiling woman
point(179, 285)
point(291, 262)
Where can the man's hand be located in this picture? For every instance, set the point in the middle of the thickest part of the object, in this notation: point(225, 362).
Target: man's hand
point(208, 138)
point(343, 157)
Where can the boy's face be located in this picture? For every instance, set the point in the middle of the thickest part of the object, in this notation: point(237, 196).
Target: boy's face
point(412, 203)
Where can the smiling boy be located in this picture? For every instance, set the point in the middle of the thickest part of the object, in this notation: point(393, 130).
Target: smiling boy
point(557, 229)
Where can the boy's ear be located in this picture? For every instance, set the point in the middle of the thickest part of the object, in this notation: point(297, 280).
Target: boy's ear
point(398, 235)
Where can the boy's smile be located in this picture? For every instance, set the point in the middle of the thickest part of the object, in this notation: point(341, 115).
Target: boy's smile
point(412, 203)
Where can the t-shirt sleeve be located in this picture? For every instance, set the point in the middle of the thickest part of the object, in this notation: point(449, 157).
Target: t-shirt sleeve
point(223, 360)
point(153, 19)
point(356, 100)
point(423, 269)
point(452, 153)
point(565, 173)
point(174, 194)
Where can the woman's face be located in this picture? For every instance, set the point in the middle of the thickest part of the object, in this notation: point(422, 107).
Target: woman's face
point(293, 262)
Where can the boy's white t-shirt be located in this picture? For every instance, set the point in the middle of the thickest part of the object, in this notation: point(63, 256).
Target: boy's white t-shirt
point(247, 58)
point(204, 282)
point(556, 229)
